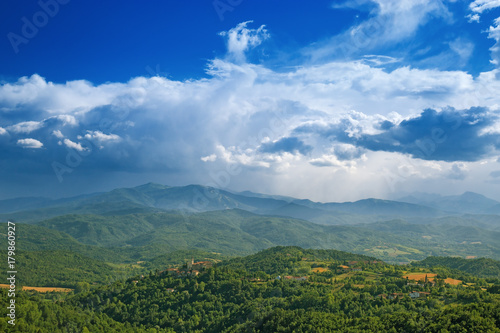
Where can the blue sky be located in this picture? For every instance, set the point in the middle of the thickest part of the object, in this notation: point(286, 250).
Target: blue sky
point(328, 100)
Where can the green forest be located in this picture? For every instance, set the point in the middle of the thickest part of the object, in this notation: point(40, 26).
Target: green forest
point(281, 289)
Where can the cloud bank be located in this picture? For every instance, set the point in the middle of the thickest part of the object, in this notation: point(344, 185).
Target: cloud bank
point(331, 130)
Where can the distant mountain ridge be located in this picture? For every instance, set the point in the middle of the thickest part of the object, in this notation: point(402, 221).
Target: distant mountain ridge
point(196, 198)
point(468, 202)
point(151, 197)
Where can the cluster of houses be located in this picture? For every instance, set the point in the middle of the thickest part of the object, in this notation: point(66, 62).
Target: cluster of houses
point(430, 283)
point(353, 266)
point(413, 295)
point(189, 270)
point(292, 278)
point(346, 269)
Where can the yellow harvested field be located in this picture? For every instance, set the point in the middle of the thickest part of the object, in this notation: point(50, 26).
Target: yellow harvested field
point(453, 282)
point(319, 270)
point(41, 289)
point(420, 276)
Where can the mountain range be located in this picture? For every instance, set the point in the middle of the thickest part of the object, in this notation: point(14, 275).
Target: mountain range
point(195, 198)
point(131, 224)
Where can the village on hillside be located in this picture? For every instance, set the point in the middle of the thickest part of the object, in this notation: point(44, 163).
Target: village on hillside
point(355, 275)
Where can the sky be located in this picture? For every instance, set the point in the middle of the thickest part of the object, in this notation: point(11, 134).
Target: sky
point(326, 100)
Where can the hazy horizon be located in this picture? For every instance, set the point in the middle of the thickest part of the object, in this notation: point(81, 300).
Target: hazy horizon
point(396, 196)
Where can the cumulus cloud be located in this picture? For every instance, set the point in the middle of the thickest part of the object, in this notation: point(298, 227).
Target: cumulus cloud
point(25, 127)
point(32, 93)
point(66, 119)
point(480, 6)
point(74, 145)
point(267, 122)
point(100, 138)
point(29, 143)
point(448, 135)
point(58, 134)
point(340, 122)
point(209, 158)
point(240, 39)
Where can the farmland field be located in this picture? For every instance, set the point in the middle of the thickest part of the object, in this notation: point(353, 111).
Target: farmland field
point(41, 289)
point(419, 276)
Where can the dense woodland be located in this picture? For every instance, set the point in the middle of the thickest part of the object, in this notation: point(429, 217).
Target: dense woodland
point(343, 292)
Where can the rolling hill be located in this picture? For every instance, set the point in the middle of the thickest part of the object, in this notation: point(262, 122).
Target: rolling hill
point(136, 237)
point(140, 223)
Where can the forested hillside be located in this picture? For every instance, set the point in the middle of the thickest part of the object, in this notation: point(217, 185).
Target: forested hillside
point(281, 289)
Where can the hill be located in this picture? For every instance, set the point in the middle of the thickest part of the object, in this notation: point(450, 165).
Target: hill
point(253, 294)
point(238, 232)
point(234, 297)
point(482, 267)
point(283, 260)
point(65, 269)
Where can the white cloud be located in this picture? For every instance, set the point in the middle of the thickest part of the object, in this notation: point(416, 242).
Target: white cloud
point(391, 21)
point(26, 127)
point(100, 138)
point(29, 143)
point(73, 96)
point(240, 39)
point(58, 134)
point(480, 6)
point(66, 119)
point(224, 119)
point(74, 145)
point(3, 131)
point(474, 18)
point(494, 33)
point(209, 158)
point(155, 125)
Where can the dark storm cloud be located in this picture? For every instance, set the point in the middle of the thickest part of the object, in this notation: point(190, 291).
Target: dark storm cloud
point(449, 135)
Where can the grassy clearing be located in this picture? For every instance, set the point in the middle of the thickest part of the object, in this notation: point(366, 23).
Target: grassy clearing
point(41, 289)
